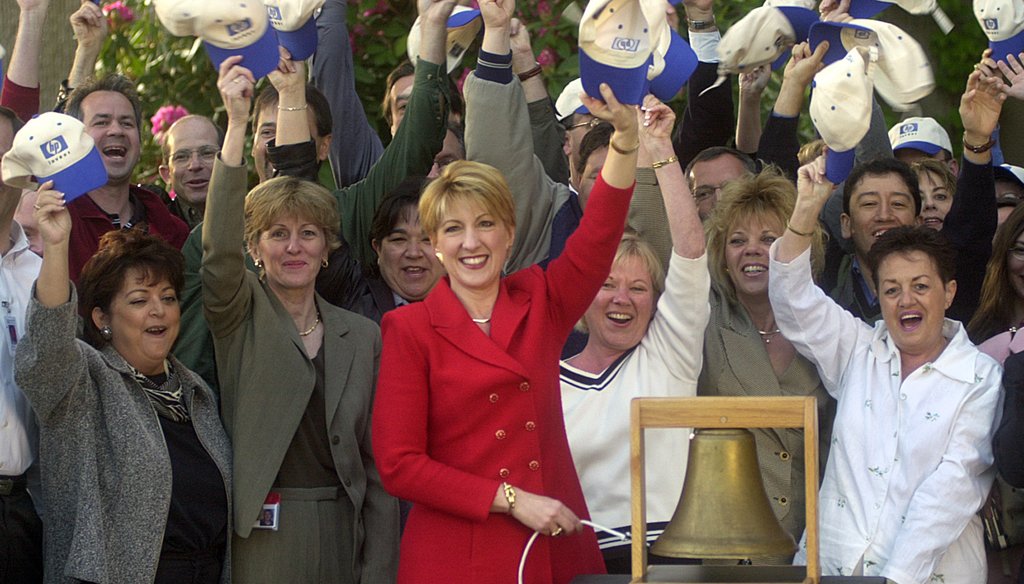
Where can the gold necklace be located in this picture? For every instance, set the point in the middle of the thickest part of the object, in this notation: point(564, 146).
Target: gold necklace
point(310, 330)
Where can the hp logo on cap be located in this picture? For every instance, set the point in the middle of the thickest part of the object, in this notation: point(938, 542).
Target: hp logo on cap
point(53, 147)
point(236, 28)
point(908, 128)
point(629, 45)
point(274, 12)
point(991, 24)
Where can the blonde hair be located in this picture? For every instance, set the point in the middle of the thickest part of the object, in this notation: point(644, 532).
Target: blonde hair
point(632, 246)
point(766, 196)
point(287, 196)
point(462, 181)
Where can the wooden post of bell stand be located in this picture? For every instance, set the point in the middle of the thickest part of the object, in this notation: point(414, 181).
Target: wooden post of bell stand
point(722, 412)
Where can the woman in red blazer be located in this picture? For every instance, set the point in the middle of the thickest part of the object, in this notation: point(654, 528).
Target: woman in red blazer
point(468, 418)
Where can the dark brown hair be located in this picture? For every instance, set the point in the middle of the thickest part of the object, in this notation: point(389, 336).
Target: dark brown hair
point(121, 251)
point(907, 239)
point(999, 300)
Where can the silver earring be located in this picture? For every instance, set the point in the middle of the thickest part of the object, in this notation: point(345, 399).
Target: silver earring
point(106, 333)
point(324, 263)
point(259, 263)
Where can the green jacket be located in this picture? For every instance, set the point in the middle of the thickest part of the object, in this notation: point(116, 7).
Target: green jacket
point(410, 153)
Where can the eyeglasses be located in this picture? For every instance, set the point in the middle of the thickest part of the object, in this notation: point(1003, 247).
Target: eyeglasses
point(205, 154)
point(589, 124)
point(704, 191)
point(1017, 252)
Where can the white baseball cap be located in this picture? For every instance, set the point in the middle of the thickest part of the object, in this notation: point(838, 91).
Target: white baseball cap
point(924, 134)
point(1010, 173)
point(903, 74)
point(869, 8)
point(569, 102)
point(227, 28)
point(55, 147)
point(464, 24)
point(616, 47)
point(841, 108)
point(296, 28)
point(1003, 23)
point(763, 36)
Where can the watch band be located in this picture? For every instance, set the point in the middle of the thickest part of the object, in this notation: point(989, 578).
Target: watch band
point(698, 25)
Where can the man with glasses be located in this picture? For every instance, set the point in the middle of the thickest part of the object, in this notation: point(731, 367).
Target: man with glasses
point(189, 149)
point(708, 172)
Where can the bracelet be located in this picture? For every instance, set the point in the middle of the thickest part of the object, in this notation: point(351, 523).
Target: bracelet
point(615, 147)
point(979, 149)
point(292, 109)
point(533, 72)
point(510, 496)
point(668, 160)
point(800, 233)
point(700, 25)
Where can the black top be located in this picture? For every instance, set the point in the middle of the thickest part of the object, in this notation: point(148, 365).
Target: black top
point(308, 463)
point(198, 516)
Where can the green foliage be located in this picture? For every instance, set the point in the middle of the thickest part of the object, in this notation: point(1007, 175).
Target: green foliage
point(175, 71)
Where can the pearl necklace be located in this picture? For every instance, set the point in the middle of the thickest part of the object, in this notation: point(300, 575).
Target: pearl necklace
point(481, 320)
point(765, 335)
point(310, 330)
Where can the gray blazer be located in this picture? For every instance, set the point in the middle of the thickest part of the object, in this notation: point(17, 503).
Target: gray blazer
point(736, 364)
point(106, 472)
point(266, 381)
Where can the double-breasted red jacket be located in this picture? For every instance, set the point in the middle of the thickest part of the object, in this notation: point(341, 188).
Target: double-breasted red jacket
point(459, 412)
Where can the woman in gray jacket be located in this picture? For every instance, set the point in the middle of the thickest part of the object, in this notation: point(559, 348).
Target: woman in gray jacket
point(135, 462)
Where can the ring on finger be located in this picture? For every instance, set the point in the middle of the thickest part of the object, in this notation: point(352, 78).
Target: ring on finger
point(558, 531)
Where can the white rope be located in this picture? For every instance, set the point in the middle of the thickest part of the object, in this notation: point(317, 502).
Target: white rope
point(529, 543)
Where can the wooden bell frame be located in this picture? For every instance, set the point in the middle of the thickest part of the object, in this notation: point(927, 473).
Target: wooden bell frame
point(722, 412)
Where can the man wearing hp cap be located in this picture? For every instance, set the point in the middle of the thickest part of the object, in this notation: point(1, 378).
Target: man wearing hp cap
point(915, 138)
point(111, 111)
point(21, 531)
point(1009, 189)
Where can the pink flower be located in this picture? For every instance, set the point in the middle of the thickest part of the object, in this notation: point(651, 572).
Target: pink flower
point(118, 12)
point(543, 8)
point(164, 117)
point(547, 57)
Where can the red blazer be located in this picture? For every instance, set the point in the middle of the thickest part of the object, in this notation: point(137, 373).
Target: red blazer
point(459, 412)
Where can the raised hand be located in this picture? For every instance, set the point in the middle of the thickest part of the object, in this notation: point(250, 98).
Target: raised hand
point(235, 84)
point(834, 10)
point(980, 106)
point(1013, 69)
point(497, 13)
point(522, 50)
point(622, 117)
point(656, 121)
point(753, 82)
point(290, 76)
point(804, 64)
point(812, 189)
point(52, 215)
point(89, 25)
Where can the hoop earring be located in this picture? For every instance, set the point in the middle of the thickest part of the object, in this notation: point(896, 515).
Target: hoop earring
point(324, 263)
point(106, 333)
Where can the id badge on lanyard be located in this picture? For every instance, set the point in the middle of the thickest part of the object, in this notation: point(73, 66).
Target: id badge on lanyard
point(10, 322)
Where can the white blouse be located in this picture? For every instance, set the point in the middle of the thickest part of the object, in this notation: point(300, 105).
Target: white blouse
point(911, 460)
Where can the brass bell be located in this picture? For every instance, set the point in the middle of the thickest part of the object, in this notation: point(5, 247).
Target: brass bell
point(724, 511)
